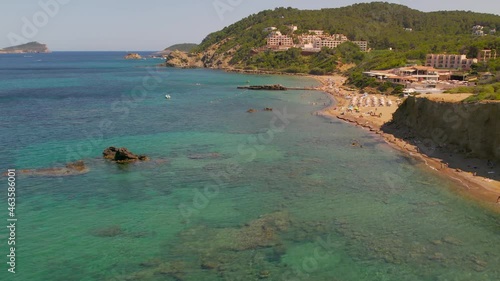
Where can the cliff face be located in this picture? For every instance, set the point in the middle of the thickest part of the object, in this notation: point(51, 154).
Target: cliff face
point(133, 56)
point(472, 129)
point(183, 60)
point(209, 58)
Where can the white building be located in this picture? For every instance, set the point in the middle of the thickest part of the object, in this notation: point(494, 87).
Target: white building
point(449, 61)
point(329, 43)
point(478, 30)
point(338, 37)
point(276, 39)
point(272, 28)
point(317, 32)
point(363, 45)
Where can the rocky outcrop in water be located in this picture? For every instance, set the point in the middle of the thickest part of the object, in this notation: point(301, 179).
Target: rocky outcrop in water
point(133, 56)
point(276, 87)
point(70, 169)
point(122, 155)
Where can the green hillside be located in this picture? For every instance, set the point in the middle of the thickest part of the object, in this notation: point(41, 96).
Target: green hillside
point(184, 47)
point(381, 24)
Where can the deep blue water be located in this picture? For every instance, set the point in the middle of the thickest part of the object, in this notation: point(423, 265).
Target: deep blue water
point(276, 195)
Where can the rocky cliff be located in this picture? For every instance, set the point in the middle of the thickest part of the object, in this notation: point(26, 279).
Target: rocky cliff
point(210, 58)
point(471, 129)
point(183, 60)
point(133, 56)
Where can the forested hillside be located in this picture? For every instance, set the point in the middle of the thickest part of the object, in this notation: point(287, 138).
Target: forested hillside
point(381, 24)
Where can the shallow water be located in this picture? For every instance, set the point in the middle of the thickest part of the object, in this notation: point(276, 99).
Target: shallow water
point(271, 198)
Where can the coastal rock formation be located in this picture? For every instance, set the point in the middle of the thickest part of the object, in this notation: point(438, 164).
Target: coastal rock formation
point(183, 60)
point(472, 129)
point(133, 56)
point(122, 155)
point(210, 58)
point(70, 169)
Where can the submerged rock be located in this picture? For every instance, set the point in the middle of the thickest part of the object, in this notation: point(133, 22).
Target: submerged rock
point(213, 155)
point(122, 155)
point(110, 231)
point(71, 169)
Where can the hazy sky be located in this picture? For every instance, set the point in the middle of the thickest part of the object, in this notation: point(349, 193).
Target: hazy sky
point(155, 24)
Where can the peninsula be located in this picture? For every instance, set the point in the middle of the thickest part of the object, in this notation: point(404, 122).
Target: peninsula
point(31, 47)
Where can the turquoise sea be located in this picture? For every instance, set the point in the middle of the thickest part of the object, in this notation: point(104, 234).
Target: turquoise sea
point(227, 195)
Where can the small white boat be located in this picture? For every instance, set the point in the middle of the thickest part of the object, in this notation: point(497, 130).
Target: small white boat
point(167, 97)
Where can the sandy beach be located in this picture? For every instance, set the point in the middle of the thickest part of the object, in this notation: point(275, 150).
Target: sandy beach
point(464, 171)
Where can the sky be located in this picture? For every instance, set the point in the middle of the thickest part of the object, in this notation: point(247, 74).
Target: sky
point(133, 25)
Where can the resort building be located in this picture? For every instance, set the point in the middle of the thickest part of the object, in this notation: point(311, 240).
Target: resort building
point(478, 30)
point(405, 75)
point(317, 32)
point(276, 39)
point(449, 61)
point(327, 43)
point(310, 42)
point(486, 55)
point(363, 45)
point(338, 37)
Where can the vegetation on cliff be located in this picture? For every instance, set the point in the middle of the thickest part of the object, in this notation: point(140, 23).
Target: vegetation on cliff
point(184, 47)
point(381, 24)
point(397, 35)
point(486, 90)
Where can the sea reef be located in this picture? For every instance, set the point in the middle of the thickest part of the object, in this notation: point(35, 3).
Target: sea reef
point(224, 253)
point(472, 129)
point(70, 169)
point(122, 155)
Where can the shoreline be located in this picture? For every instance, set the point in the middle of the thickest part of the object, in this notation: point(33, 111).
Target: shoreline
point(482, 189)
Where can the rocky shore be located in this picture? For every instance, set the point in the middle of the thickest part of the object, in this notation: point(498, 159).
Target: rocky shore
point(476, 178)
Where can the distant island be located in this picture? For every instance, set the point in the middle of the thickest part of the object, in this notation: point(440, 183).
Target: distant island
point(31, 47)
